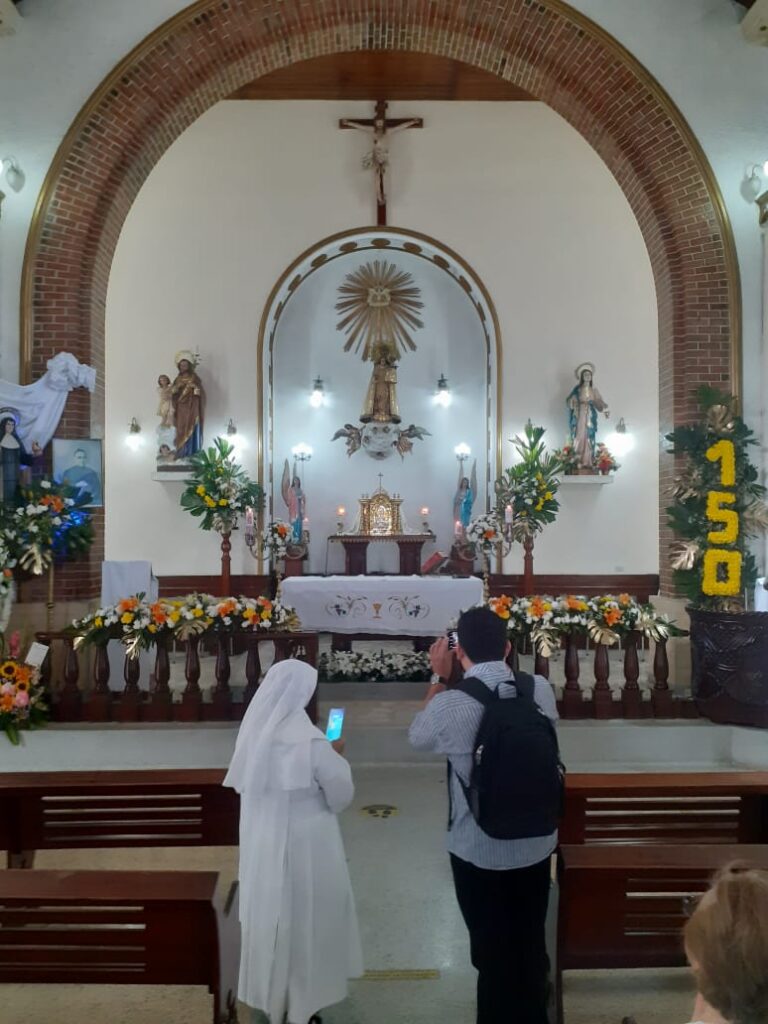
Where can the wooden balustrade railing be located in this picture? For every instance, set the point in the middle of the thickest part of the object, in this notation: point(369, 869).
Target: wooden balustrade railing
point(577, 702)
point(73, 700)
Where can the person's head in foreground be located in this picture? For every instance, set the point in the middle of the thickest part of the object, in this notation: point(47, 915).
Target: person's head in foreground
point(726, 940)
point(482, 636)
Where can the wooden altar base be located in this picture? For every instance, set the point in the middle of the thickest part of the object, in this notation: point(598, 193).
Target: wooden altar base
point(356, 550)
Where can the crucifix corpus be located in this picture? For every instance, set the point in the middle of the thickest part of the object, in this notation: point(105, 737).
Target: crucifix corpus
point(380, 127)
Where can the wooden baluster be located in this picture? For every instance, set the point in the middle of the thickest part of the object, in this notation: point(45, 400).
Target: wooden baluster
point(662, 699)
point(252, 669)
point(631, 698)
point(222, 694)
point(130, 699)
point(540, 665)
point(513, 658)
point(69, 706)
point(160, 707)
point(99, 706)
point(601, 695)
point(573, 702)
point(192, 698)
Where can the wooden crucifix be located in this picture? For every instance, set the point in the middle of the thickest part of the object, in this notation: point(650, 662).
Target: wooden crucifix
point(380, 128)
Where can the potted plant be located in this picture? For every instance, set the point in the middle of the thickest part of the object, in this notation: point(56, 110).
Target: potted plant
point(718, 506)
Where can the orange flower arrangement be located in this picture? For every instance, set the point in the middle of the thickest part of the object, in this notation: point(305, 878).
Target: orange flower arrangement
point(612, 616)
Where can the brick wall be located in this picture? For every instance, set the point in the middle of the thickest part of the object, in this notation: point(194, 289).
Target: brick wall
point(543, 47)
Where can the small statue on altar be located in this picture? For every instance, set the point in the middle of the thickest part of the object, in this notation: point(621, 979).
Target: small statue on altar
point(188, 402)
point(464, 499)
point(296, 502)
point(584, 403)
point(380, 404)
point(13, 457)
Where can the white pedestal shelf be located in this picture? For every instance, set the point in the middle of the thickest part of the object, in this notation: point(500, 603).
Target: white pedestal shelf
point(592, 478)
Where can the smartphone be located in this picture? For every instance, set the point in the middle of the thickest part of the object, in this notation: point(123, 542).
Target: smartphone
point(453, 639)
point(335, 723)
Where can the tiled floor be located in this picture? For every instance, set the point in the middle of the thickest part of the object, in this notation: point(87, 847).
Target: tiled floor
point(409, 920)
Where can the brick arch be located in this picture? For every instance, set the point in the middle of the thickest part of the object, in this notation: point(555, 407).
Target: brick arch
point(212, 48)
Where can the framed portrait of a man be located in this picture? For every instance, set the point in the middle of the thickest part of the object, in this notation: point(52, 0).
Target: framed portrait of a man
point(78, 463)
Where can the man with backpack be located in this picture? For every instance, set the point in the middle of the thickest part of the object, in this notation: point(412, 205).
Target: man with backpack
point(505, 793)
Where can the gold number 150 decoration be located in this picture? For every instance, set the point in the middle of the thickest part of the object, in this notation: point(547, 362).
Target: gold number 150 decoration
point(722, 566)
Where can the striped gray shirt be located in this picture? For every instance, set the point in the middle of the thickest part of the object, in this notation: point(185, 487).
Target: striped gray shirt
point(448, 725)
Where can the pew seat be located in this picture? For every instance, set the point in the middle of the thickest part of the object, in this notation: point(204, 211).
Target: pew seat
point(625, 906)
point(121, 928)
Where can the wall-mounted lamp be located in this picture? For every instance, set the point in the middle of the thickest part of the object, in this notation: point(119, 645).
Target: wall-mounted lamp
point(231, 428)
point(133, 438)
point(462, 452)
point(317, 398)
point(443, 395)
point(301, 452)
point(9, 168)
point(620, 441)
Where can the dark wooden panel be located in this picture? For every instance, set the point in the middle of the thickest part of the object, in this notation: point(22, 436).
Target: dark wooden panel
point(248, 586)
point(380, 74)
point(642, 586)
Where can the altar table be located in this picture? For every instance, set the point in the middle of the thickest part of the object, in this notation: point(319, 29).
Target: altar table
point(356, 550)
point(386, 605)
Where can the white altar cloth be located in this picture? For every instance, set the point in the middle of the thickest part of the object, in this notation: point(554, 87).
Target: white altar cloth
point(394, 605)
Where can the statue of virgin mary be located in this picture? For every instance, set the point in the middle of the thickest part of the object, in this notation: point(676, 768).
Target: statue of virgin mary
point(584, 403)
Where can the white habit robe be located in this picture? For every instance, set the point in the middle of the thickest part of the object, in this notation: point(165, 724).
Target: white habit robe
point(300, 939)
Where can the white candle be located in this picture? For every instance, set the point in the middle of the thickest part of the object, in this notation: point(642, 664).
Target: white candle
point(249, 518)
point(508, 514)
point(457, 528)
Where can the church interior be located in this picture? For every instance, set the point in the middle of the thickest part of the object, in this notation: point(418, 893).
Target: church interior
point(320, 324)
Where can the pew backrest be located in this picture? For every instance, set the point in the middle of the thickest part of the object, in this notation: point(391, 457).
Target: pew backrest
point(673, 808)
point(120, 927)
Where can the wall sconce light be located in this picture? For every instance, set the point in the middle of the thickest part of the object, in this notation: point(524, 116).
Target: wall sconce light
point(9, 168)
point(317, 398)
point(133, 439)
point(620, 441)
point(752, 185)
point(462, 452)
point(301, 452)
point(443, 396)
point(231, 428)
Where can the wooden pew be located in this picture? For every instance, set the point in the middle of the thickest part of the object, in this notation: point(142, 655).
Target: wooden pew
point(625, 906)
point(121, 928)
point(644, 808)
point(79, 810)
point(189, 807)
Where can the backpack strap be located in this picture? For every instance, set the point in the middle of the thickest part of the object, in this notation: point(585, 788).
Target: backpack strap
point(524, 684)
point(477, 690)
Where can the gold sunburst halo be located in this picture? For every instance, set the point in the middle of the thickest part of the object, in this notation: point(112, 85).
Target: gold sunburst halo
point(379, 303)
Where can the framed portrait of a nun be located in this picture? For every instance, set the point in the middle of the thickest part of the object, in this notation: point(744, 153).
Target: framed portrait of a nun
point(78, 463)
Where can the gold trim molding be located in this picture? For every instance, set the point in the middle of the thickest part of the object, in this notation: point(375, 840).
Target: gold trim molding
point(581, 21)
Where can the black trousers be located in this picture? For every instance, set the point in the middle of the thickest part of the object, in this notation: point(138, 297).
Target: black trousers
point(505, 912)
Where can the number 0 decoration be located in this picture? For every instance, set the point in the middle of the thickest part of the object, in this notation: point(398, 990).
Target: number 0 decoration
point(722, 565)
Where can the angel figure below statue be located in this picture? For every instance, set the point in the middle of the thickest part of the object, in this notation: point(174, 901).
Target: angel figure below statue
point(584, 403)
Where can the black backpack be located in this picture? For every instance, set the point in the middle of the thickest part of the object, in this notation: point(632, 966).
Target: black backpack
point(517, 784)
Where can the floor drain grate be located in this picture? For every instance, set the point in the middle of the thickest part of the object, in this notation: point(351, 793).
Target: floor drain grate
point(402, 975)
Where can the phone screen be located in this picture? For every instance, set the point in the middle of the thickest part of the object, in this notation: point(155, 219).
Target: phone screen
point(335, 723)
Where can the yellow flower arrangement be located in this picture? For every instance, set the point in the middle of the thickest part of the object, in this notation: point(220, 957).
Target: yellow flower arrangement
point(712, 584)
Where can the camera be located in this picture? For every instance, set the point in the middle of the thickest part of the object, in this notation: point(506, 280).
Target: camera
point(453, 639)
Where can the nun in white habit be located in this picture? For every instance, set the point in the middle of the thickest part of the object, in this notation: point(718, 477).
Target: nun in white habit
point(300, 940)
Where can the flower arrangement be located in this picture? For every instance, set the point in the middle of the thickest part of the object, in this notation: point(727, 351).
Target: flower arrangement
point(604, 460)
point(718, 505)
point(50, 524)
point(275, 539)
point(374, 666)
point(606, 619)
point(140, 624)
point(529, 488)
point(568, 459)
point(485, 532)
point(219, 490)
point(22, 699)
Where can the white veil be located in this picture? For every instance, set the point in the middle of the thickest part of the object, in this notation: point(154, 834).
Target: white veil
point(272, 757)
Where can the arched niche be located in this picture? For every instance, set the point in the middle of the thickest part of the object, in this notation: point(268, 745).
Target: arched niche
point(299, 341)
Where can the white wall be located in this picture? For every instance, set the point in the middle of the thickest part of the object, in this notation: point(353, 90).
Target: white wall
point(566, 267)
point(693, 47)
